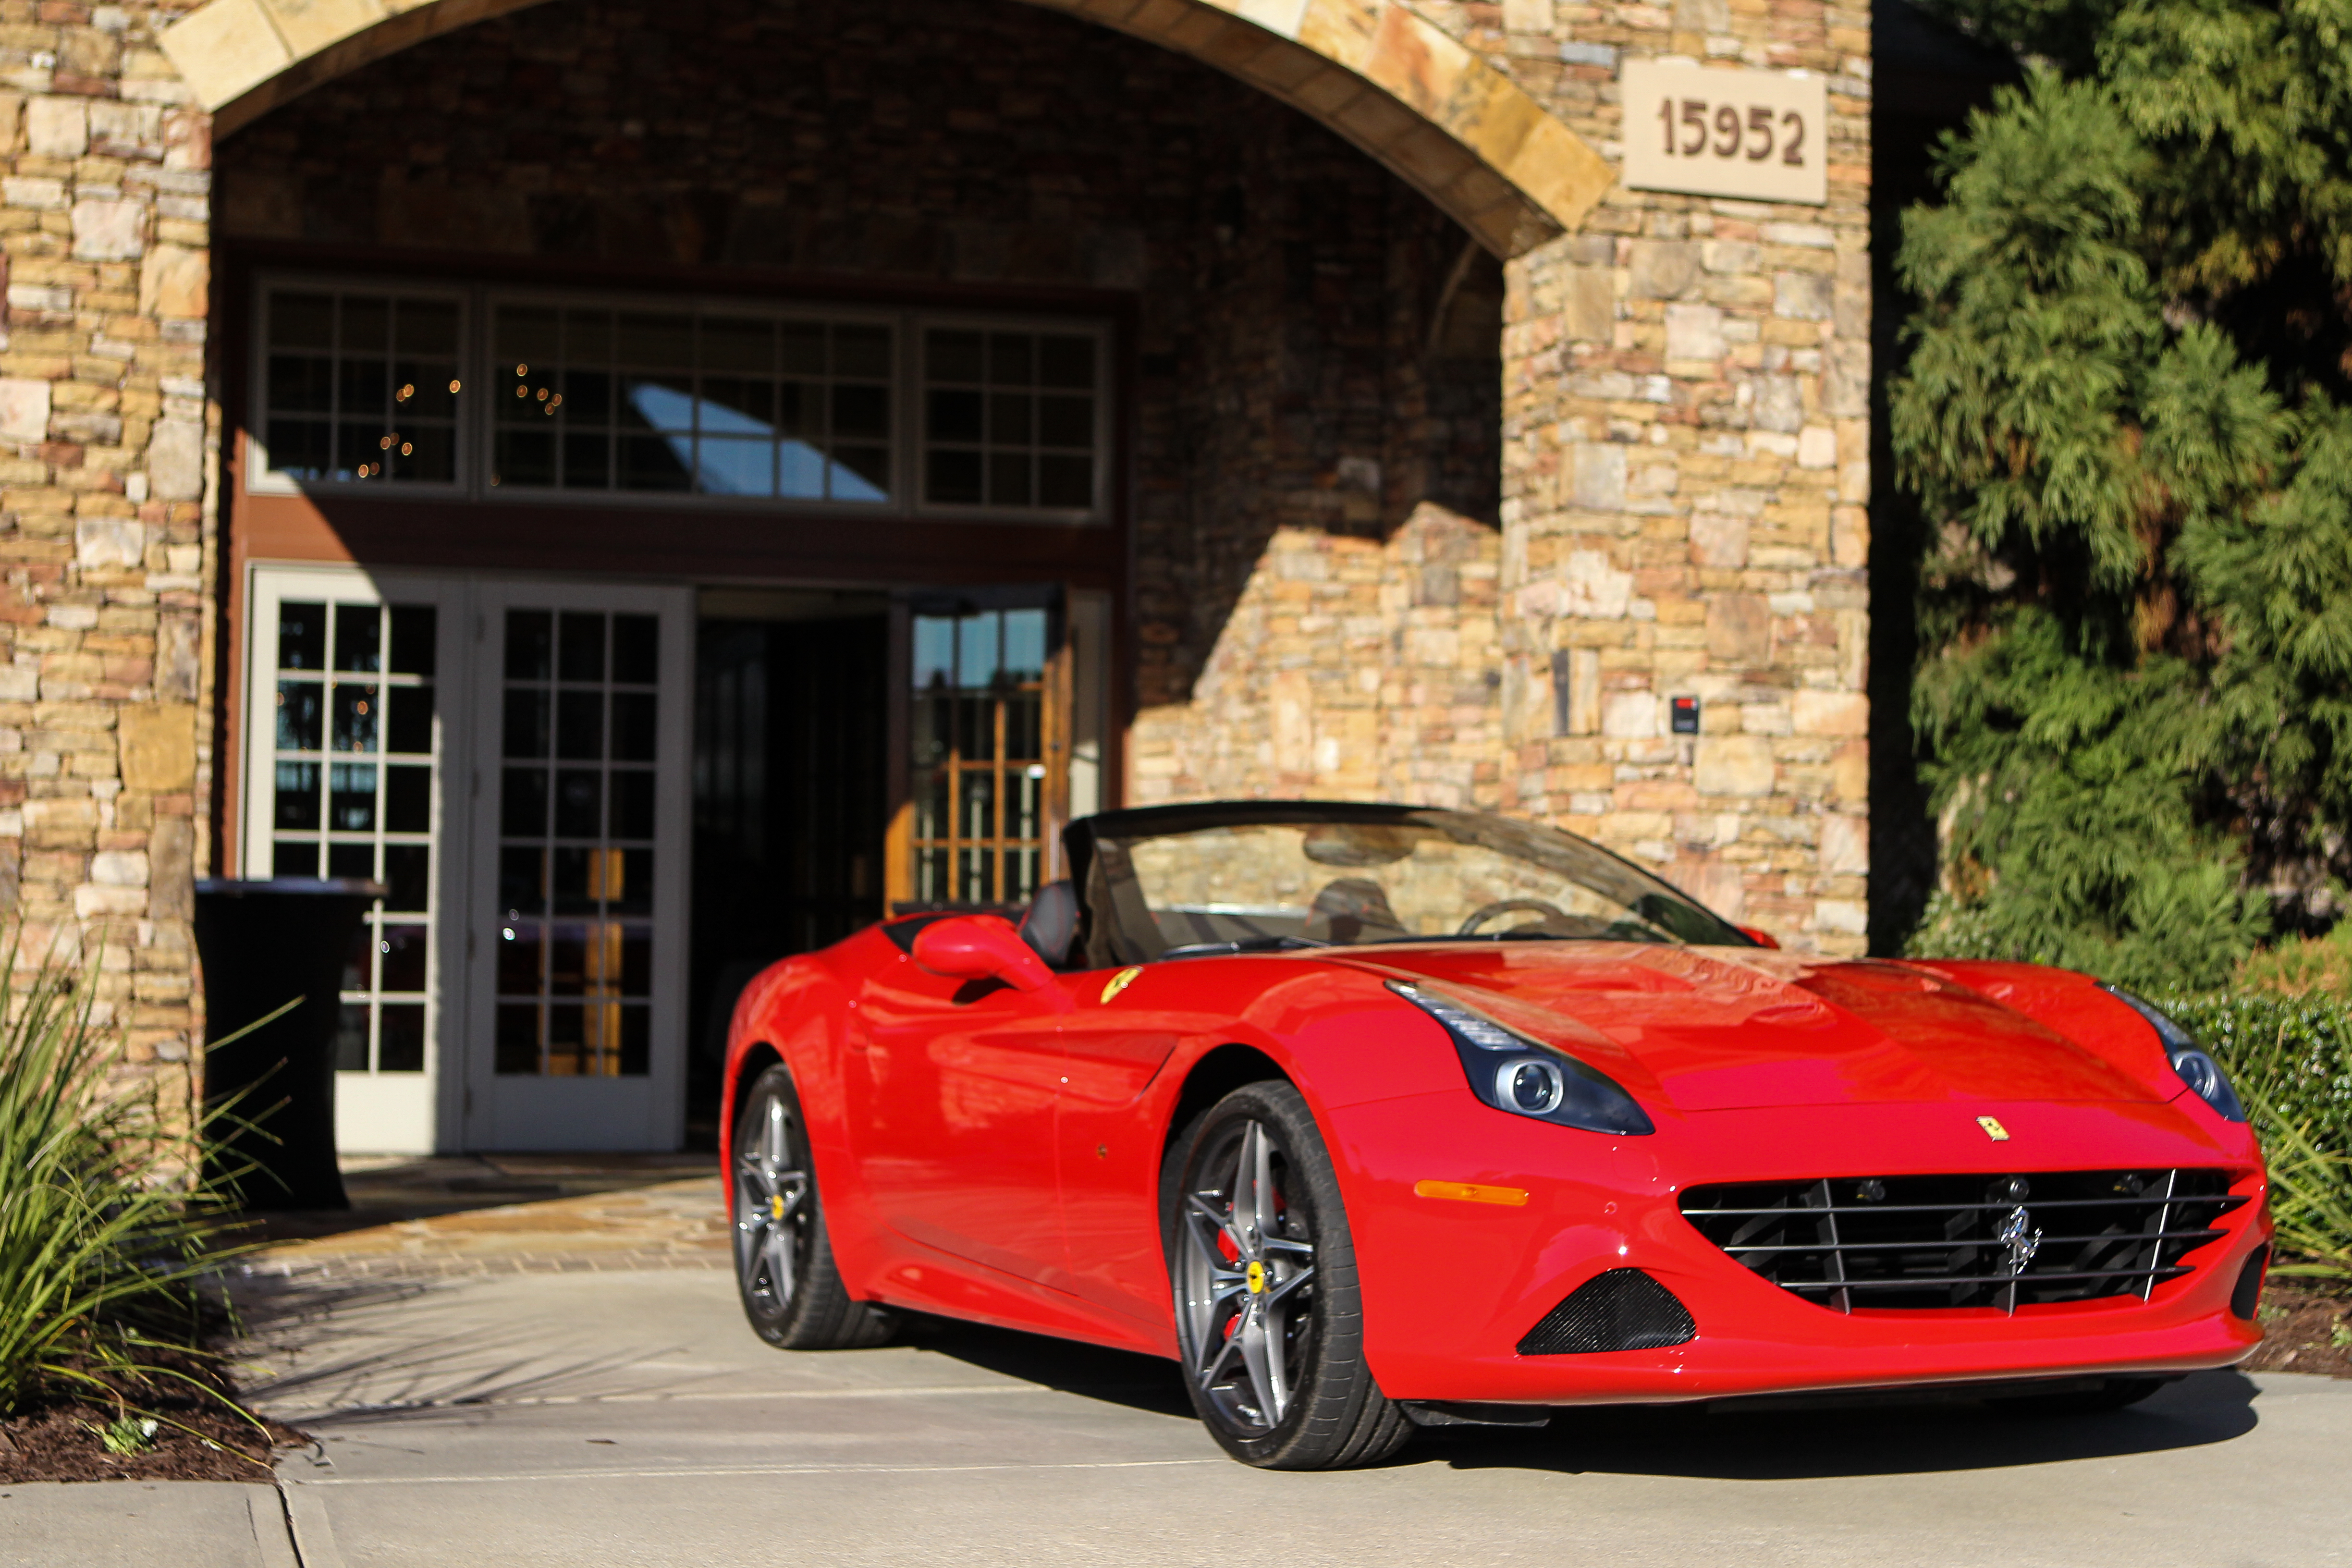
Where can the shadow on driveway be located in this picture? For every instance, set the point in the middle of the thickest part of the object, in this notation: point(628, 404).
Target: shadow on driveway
point(1873, 1441)
point(1685, 1441)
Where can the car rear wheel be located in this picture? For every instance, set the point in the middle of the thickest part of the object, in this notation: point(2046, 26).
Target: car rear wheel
point(784, 1259)
point(1269, 1317)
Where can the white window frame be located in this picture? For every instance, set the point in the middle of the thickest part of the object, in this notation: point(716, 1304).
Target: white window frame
point(261, 479)
point(476, 417)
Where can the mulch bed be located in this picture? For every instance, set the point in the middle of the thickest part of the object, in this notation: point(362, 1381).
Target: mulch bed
point(2304, 1329)
point(197, 1438)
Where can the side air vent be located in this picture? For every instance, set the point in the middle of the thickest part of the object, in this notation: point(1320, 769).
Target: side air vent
point(2246, 1298)
point(1624, 1310)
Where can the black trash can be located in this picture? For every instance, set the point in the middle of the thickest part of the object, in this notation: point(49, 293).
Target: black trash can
point(263, 945)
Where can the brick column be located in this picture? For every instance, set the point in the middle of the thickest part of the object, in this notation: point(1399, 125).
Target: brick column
point(106, 518)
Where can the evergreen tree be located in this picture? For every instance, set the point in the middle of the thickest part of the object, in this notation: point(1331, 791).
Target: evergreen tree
point(2127, 412)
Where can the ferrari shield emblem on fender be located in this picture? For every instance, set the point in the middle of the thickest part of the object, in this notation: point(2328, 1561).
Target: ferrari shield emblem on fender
point(1120, 982)
point(1993, 1128)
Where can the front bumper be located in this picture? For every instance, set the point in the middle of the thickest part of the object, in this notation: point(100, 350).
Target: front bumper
point(1450, 1287)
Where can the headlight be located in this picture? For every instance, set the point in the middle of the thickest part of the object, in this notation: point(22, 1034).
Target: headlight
point(1524, 1077)
point(2193, 1064)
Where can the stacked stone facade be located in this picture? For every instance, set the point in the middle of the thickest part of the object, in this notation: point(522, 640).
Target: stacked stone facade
point(106, 526)
point(1686, 445)
point(1686, 467)
point(1408, 520)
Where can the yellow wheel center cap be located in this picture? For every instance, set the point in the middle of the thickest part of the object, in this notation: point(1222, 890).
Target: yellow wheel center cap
point(1257, 1278)
point(776, 1207)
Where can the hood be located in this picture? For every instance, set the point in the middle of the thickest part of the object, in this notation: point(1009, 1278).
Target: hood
point(1726, 1030)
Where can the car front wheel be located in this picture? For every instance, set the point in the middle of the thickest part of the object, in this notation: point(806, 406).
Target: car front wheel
point(1269, 1317)
point(791, 1292)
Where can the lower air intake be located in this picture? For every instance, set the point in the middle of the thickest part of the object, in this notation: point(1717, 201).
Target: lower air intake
point(1624, 1310)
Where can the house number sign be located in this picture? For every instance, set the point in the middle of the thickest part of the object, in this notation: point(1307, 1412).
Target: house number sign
point(1760, 134)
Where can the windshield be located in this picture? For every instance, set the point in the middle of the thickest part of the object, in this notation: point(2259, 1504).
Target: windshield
point(1409, 876)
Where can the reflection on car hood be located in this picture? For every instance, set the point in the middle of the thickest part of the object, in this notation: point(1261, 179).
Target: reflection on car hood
point(1724, 1028)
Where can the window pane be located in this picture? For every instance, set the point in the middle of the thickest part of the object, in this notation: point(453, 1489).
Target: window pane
point(303, 321)
point(636, 649)
point(402, 965)
point(351, 1038)
point(408, 876)
point(400, 1037)
point(408, 800)
point(358, 637)
point(298, 795)
point(412, 639)
point(299, 705)
point(351, 798)
point(302, 636)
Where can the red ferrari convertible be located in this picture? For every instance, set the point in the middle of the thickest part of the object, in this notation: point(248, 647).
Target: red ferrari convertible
point(1375, 1117)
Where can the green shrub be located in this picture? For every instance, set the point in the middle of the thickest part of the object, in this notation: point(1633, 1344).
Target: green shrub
point(2291, 1059)
point(104, 1232)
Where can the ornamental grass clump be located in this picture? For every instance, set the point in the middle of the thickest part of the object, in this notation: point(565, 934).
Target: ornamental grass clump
point(105, 1232)
point(2291, 1059)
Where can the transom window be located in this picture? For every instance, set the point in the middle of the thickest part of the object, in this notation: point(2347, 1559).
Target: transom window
point(1010, 418)
point(483, 393)
point(362, 387)
point(738, 405)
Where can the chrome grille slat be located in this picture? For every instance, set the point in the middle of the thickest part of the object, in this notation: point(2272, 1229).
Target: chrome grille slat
point(1938, 1241)
point(2202, 1236)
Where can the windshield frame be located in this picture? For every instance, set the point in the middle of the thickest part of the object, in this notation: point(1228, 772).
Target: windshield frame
point(1113, 934)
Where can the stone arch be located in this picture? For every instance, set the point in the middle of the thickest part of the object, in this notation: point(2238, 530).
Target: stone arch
point(1430, 110)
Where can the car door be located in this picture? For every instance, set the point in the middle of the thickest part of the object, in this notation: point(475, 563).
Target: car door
point(962, 1080)
point(1123, 1028)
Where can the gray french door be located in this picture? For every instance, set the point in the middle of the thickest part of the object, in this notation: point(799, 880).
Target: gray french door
point(577, 879)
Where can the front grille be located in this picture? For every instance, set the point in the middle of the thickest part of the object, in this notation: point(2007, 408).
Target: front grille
point(2003, 1241)
point(1622, 1310)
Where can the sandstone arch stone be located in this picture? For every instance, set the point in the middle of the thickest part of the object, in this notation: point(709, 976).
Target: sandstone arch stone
point(1375, 72)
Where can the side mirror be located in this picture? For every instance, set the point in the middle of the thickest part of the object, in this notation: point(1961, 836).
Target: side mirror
point(980, 947)
point(1760, 937)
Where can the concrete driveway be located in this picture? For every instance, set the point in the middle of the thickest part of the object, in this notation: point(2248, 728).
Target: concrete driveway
point(584, 1419)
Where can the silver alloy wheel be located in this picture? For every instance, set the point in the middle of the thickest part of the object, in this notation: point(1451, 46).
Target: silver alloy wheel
point(1246, 1284)
point(771, 1210)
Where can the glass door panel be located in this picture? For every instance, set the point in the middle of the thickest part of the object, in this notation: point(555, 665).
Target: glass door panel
point(580, 874)
point(981, 757)
point(346, 756)
point(580, 711)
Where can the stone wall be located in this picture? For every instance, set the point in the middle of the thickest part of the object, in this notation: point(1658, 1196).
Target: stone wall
point(1686, 467)
point(106, 523)
point(1353, 669)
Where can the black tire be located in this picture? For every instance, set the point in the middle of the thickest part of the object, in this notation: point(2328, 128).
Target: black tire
point(785, 1269)
point(2114, 1394)
point(1274, 1274)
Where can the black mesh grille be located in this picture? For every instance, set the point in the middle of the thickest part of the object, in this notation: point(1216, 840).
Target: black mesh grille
point(2001, 1241)
point(1624, 1310)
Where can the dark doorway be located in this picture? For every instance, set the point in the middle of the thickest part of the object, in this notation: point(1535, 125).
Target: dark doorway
point(789, 802)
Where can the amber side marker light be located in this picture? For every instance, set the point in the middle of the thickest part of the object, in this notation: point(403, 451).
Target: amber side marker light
point(1471, 1193)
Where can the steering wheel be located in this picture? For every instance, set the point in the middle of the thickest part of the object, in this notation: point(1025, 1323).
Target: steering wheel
point(1553, 915)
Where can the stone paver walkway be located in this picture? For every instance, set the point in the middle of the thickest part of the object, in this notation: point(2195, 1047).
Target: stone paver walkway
point(444, 1217)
